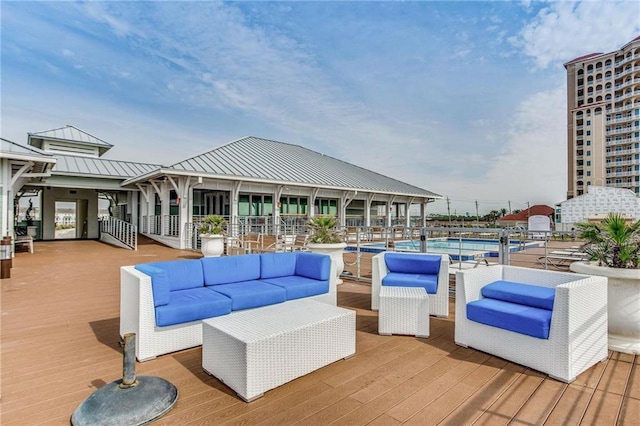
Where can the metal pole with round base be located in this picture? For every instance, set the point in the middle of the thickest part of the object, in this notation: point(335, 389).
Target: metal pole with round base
point(129, 401)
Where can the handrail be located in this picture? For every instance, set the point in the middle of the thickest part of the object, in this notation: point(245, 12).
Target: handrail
point(122, 231)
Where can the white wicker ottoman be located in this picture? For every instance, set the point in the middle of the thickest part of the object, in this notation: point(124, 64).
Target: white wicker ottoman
point(259, 349)
point(403, 310)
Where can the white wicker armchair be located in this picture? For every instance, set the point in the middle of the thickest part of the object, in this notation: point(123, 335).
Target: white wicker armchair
point(438, 303)
point(578, 332)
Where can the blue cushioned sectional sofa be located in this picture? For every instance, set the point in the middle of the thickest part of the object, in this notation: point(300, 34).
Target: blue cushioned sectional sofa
point(164, 302)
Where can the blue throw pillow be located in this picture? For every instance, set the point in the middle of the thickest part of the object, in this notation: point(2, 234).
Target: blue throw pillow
point(159, 283)
point(427, 264)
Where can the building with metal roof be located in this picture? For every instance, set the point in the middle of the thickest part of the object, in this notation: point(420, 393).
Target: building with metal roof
point(253, 182)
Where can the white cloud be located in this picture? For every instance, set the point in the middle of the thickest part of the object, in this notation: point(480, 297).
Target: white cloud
point(565, 30)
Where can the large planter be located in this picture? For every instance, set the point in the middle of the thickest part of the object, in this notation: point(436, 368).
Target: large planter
point(623, 304)
point(211, 245)
point(333, 250)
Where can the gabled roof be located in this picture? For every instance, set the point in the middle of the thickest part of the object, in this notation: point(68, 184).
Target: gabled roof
point(71, 134)
point(538, 209)
point(98, 167)
point(263, 159)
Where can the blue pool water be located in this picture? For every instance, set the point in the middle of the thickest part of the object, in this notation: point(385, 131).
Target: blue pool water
point(458, 249)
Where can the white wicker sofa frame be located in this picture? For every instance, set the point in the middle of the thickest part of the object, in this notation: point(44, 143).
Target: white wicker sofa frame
point(578, 331)
point(137, 315)
point(438, 303)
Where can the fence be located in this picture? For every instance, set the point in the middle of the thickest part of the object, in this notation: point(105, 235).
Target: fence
point(123, 231)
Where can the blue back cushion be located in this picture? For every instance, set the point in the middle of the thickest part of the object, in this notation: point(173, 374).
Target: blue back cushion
point(314, 265)
point(521, 319)
point(159, 283)
point(524, 294)
point(273, 265)
point(230, 269)
point(426, 264)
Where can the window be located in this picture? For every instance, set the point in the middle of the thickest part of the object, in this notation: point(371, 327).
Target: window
point(588, 172)
point(588, 153)
point(588, 132)
point(588, 122)
point(588, 142)
point(588, 163)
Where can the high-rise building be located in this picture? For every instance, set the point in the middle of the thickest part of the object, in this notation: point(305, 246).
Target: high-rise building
point(603, 120)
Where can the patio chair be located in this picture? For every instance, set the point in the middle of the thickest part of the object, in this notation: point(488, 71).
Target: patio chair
point(512, 309)
point(438, 297)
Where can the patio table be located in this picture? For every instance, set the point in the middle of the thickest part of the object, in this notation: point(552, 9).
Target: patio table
point(260, 349)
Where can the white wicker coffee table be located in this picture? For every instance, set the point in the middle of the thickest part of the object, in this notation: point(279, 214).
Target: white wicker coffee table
point(256, 350)
point(403, 310)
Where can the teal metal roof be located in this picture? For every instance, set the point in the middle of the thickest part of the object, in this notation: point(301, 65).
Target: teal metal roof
point(264, 159)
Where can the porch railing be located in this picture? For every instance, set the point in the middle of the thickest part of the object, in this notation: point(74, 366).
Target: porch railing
point(122, 231)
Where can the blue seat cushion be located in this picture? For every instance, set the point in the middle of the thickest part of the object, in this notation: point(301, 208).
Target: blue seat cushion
point(523, 294)
point(159, 283)
point(192, 305)
point(181, 274)
point(297, 286)
point(511, 316)
point(230, 269)
point(313, 265)
point(252, 294)
point(427, 264)
point(277, 265)
point(397, 279)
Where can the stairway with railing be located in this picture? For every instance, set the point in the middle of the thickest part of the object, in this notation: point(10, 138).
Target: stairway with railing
point(123, 232)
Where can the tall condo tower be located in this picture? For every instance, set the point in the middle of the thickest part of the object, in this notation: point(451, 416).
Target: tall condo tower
point(603, 120)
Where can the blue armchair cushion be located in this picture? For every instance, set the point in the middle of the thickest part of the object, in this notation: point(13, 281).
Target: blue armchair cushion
point(521, 319)
point(423, 264)
point(230, 269)
point(277, 265)
point(297, 286)
point(252, 294)
point(192, 305)
point(159, 283)
point(523, 294)
point(397, 279)
point(182, 274)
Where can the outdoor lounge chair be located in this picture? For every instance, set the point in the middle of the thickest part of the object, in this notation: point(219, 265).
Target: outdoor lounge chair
point(561, 259)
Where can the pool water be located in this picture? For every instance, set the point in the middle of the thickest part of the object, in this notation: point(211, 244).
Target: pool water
point(458, 249)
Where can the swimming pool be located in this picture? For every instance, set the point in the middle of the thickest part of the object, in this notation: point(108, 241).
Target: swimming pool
point(458, 249)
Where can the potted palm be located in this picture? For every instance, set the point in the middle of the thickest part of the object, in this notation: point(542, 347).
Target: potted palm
point(212, 232)
point(614, 250)
point(324, 238)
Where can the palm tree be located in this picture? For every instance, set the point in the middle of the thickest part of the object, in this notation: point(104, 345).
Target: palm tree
point(614, 243)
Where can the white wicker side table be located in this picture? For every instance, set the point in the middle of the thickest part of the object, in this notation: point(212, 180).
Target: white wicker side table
point(403, 310)
point(259, 349)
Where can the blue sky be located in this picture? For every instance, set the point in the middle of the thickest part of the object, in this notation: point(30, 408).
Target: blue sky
point(465, 99)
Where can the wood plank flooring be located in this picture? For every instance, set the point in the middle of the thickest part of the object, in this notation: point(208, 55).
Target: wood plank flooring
point(60, 342)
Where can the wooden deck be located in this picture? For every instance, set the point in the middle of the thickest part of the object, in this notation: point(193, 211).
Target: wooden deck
point(60, 343)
